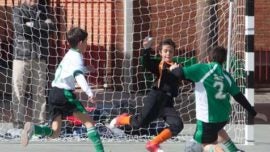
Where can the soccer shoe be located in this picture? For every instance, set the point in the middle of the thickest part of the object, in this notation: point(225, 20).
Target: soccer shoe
point(153, 147)
point(27, 133)
point(115, 122)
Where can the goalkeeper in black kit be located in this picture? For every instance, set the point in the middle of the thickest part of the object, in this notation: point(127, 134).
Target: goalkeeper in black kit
point(159, 102)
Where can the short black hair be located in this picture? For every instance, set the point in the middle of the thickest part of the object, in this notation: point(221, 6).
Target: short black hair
point(76, 35)
point(166, 42)
point(218, 54)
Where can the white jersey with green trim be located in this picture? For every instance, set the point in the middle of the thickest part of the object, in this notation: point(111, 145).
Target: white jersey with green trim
point(71, 64)
point(213, 87)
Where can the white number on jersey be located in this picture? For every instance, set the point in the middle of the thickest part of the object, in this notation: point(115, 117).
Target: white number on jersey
point(220, 86)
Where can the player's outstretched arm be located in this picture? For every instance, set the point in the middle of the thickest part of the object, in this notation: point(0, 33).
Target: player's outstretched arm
point(242, 100)
point(147, 61)
point(84, 85)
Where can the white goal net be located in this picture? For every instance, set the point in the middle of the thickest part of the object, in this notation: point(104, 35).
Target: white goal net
point(116, 30)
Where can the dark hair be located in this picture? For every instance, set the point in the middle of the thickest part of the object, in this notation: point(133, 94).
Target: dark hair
point(76, 35)
point(218, 54)
point(166, 42)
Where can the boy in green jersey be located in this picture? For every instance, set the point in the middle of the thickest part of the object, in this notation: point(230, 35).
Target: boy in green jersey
point(213, 87)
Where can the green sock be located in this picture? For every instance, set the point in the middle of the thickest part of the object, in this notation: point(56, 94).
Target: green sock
point(230, 146)
point(43, 130)
point(95, 138)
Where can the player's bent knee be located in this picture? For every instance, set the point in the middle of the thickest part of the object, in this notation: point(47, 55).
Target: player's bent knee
point(177, 127)
point(135, 123)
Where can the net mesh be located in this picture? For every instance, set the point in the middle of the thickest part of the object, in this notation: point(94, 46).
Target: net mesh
point(119, 81)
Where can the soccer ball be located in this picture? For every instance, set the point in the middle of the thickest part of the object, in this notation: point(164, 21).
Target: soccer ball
point(193, 146)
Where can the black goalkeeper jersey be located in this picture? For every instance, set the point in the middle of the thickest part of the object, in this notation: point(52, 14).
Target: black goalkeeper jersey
point(165, 80)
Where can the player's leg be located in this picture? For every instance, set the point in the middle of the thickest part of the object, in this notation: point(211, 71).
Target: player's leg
point(224, 138)
point(20, 74)
point(175, 125)
point(149, 112)
point(91, 130)
point(78, 110)
point(57, 107)
point(153, 104)
point(207, 135)
point(120, 120)
point(30, 129)
point(38, 90)
point(193, 146)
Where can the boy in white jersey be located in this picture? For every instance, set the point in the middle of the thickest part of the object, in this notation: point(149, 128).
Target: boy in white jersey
point(213, 87)
point(62, 101)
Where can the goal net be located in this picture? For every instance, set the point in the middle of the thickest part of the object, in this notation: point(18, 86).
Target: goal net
point(116, 30)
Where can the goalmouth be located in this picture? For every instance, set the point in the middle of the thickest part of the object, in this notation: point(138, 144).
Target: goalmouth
point(116, 30)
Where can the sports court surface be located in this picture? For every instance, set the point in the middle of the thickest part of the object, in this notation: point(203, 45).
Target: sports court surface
point(262, 144)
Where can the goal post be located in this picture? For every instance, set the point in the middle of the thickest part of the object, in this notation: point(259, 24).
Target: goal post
point(229, 35)
point(249, 67)
point(128, 45)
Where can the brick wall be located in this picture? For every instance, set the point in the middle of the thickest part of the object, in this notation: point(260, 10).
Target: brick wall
point(262, 45)
point(262, 24)
point(159, 18)
point(165, 28)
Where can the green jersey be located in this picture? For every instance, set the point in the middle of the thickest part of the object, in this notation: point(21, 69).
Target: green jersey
point(213, 87)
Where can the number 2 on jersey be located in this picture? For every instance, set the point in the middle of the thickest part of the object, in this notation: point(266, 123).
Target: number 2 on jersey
point(220, 86)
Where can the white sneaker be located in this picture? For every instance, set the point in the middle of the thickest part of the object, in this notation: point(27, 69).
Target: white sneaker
point(112, 124)
point(27, 133)
point(115, 122)
point(14, 133)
